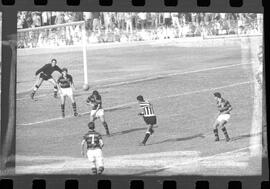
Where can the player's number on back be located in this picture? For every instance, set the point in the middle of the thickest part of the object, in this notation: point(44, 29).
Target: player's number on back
point(92, 138)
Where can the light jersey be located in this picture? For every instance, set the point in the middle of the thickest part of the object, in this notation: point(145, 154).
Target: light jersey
point(93, 140)
point(148, 109)
point(65, 82)
point(223, 105)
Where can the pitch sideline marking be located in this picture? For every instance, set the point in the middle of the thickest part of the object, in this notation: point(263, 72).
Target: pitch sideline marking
point(132, 103)
point(161, 74)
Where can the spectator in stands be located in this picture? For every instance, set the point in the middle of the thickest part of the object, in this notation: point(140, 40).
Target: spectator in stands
point(129, 25)
point(142, 16)
point(45, 18)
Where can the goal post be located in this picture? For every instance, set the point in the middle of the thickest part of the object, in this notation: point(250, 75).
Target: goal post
point(56, 36)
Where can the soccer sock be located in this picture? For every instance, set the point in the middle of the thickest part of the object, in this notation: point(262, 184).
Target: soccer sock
point(106, 127)
point(55, 90)
point(35, 88)
point(74, 107)
point(63, 109)
point(146, 138)
point(216, 133)
point(225, 132)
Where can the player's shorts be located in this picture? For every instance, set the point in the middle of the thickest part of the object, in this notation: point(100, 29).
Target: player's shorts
point(223, 117)
point(151, 120)
point(95, 157)
point(45, 77)
point(66, 92)
point(99, 113)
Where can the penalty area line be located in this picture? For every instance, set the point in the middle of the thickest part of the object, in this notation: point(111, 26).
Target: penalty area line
point(133, 103)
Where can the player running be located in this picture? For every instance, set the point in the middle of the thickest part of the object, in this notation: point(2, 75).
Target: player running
point(223, 116)
point(148, 116)
point(66, 87)
point(94, 100)
point(45, 74)
point(94, 149)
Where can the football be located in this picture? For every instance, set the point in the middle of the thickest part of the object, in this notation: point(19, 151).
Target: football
point(86, 87)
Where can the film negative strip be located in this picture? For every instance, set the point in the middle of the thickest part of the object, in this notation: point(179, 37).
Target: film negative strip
point(134, 94)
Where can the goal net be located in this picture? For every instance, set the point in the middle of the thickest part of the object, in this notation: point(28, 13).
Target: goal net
point(53, 36)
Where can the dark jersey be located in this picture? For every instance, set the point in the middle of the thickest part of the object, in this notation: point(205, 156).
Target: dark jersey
point(93, 140)
point(65, 82)
point(148, 109)
point(47, 69)
point(223, 105)
point(95, 100)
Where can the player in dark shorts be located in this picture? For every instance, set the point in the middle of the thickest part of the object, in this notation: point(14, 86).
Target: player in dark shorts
point(45, 74)
point(94, 149)
point(66, 87)
point(224, 108)
point(94, 100)
point(148, 116)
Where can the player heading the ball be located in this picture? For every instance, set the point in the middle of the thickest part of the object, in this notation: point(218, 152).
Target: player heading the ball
point(223, 116)
point(66, 87)
point(45, 74)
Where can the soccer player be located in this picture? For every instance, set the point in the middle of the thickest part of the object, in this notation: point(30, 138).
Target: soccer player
point(223, 116)
point(148, 116)
point(94, 149)
point(94, 100)
point(66, 86)
point(45, 74)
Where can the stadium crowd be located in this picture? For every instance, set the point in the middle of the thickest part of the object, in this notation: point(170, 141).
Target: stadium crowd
point(129, 26)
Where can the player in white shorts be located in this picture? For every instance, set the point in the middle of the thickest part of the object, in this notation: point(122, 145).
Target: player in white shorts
point(94, 149)
point(97, 112)
point(223, 116)
point(66, 86)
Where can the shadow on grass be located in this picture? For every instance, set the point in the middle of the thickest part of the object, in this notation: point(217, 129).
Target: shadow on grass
point(130, 131)
point(244, 136)
point(179, 139)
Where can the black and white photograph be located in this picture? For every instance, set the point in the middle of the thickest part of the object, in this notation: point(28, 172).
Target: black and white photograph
point(140, 93)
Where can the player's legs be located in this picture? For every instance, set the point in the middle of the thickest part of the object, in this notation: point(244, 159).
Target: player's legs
point(37, 85)
point(102, 119)
point(151, 121)
point(55, 88)
point(74, 106)
point(91, 158)
point(215, 130)
point(224, 130)
point(99, 161)
point(92, 116)
point(63, 100)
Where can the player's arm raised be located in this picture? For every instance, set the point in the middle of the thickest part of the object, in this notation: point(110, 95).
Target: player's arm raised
point(41, 69)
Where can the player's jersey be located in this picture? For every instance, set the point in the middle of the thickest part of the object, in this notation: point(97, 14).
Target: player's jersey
point(95, 100)
point(65, 82)
point(223, 105)
point(148, 109)
point(47, 69)
point(93, 140)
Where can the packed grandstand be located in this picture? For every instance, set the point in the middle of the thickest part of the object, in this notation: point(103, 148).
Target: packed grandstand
point(52, 29)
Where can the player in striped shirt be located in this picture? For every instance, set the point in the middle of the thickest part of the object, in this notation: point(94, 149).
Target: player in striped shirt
point(148, 116)
point(223, 116)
